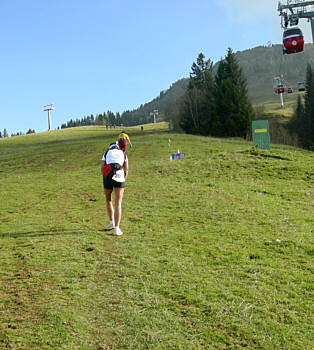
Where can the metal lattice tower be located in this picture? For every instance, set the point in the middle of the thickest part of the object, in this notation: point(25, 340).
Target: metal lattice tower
point(294, 10)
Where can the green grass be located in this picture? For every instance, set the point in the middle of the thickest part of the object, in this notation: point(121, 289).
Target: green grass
point(273, 109)
point(217, 251)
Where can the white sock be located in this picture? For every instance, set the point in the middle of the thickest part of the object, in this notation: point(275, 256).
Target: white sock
point(112, 222)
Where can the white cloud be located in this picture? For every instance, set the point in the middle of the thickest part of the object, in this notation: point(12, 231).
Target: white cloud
point(250, 10)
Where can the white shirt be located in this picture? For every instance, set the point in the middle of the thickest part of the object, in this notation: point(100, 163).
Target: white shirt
point(115, 156)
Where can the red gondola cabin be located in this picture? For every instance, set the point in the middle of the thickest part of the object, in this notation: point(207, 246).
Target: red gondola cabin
point(280, 89)
point(293, 40)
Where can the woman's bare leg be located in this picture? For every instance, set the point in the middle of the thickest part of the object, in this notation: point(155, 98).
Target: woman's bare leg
point(109, 206)
point(118, 205)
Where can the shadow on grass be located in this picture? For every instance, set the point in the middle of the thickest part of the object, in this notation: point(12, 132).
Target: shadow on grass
point(107, 232)
point(258, 153)
point(42, 233)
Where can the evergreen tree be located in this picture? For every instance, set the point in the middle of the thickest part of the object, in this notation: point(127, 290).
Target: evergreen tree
point(111, 118)
point(302, 123)
point(221, 107)
point(98, 120)
point(201, 73)
point(197, 109)
point(234, 111)
point(191, 111)
point(105, 119)
point(0, 134)
point(5, 133)
point(126, 118)
point(307, 137)
point(70, 123)
point(118, 119)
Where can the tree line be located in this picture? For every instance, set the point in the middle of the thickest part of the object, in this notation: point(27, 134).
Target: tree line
point(5, 133)
point(214, 105)
point(109, 118)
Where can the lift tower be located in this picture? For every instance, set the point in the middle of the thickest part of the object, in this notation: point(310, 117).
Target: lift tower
point(294, 10)
point(48, 108)
point(154, 113)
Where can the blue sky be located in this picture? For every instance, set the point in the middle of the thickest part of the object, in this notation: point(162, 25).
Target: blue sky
point(98, 55)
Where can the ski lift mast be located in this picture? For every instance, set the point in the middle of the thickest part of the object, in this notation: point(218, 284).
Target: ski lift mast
point(279, 88)
point(154, 113)
point(48, 108)
point(297, 9)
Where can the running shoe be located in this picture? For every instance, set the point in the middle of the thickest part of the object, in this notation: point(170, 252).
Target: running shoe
point(110, 227)
point(117, 232)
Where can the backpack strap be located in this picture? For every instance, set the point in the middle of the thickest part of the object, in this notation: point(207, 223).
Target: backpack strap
point(115, 167)
point(105, 155)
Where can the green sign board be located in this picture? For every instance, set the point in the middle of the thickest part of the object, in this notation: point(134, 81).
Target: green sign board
point(260, 130)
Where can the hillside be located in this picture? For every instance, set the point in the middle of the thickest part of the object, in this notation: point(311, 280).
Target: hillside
point(216, 253)
point(260, 65)
point(160, 103)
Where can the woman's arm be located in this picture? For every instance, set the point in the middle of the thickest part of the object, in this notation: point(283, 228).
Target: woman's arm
point(102, 164)
point(128, 139)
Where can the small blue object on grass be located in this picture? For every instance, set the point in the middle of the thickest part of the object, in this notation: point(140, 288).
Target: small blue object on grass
point(177, 156)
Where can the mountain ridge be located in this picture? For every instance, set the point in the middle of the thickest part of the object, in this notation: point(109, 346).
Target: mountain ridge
point(259, 64)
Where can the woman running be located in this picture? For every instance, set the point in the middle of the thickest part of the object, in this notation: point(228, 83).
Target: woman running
point(122, 139)
point(114, 167)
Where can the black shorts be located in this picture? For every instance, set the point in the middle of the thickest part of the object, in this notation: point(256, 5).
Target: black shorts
point(109, 184)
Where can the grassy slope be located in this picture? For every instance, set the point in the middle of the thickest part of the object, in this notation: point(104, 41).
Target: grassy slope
point(216, 253)
point(274, 109)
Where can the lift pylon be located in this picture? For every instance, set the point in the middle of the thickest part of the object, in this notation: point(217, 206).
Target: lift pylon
point(48, 108)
